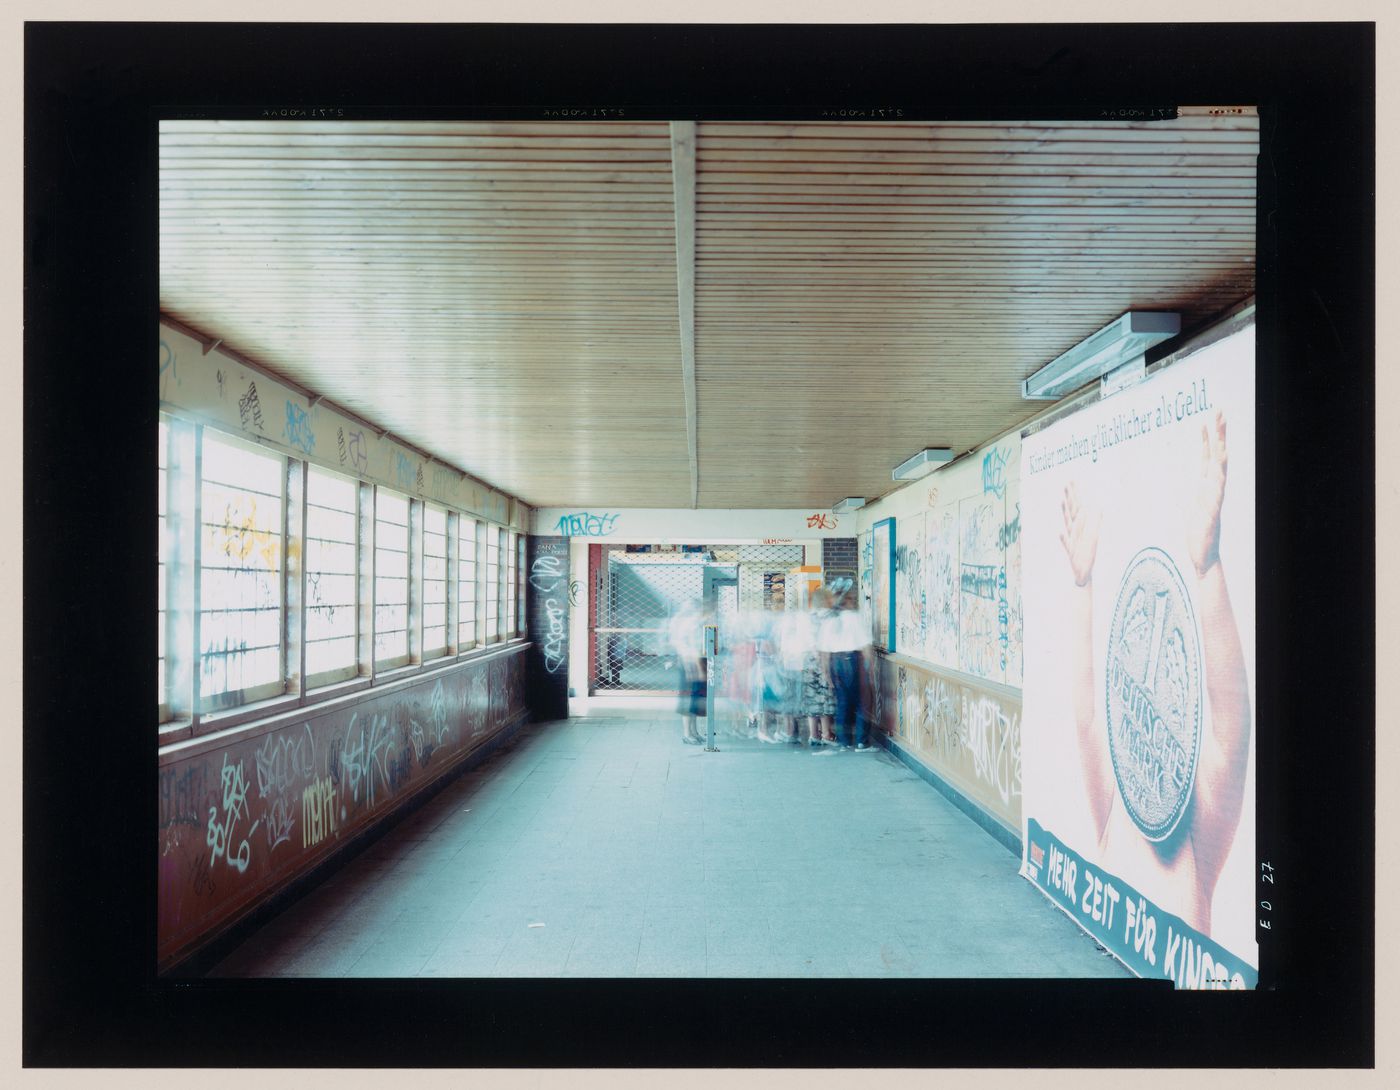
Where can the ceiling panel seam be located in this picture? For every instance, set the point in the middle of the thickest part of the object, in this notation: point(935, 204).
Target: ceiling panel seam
point(683, 182)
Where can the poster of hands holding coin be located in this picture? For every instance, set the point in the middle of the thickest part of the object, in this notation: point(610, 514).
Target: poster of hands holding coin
point(1138, 731)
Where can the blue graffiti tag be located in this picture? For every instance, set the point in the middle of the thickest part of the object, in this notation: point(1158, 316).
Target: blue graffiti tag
point(585, 524)
point(994, 473)
point(403, 469)
point(298, 428)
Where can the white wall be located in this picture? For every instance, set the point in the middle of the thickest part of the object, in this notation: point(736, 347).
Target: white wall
point(217, 389)
point(957, 576)
point(683, 525)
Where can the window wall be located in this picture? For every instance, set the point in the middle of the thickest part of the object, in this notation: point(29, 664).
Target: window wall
point(280, 581)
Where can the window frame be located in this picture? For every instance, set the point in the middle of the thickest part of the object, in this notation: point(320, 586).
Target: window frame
point(438, 651)
point(230, 699)
point(353, 669)
point(491, 577)
point(397, 661)
point(521, 583)
point(466, 547)
point(278, 547)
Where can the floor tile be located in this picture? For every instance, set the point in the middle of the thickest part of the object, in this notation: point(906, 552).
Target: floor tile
point(641, 856)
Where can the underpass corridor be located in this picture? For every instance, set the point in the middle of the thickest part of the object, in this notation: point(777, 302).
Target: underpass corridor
point(601, 846)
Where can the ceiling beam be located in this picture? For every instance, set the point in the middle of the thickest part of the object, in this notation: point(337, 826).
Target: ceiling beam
point(683, 183)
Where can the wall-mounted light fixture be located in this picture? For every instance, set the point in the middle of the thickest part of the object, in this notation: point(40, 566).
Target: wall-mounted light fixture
point(922, 464)
point(1115, 344)
point(850, 503)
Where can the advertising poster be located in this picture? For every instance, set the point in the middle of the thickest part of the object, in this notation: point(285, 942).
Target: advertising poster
point(882, 583)
point(941, 587)
point(1137, 535)
point(910, 615)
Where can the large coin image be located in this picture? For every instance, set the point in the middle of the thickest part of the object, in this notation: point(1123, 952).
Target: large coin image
point(1153, 678)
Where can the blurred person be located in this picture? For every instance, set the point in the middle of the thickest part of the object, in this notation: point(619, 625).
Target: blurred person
point(794, 642)
point(775, 680)
point(616, 655)
point(742, 684)
point(847, 640)
point(818, 696)
point(685, 631)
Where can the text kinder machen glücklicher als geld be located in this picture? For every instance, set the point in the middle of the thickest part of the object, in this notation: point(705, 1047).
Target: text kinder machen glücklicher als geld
point(1125, 425)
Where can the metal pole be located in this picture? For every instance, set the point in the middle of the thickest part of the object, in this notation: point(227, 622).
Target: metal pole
point(711, 647)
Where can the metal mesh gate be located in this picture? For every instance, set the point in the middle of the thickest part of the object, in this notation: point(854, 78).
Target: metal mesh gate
point(635, 595)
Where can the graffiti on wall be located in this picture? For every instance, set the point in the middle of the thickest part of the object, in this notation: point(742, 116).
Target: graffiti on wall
point(281, 762)
point(297, 429)
point(183, 797)
point(585, 524)
point(168, 367)
point(223, 821)
point(979, 572)
point(1009, 604)
point(994, 473)
point(262, 809)
point(941, 587)
point(358, 452)
point(867, 573)
point(250, 408)
point(911, 605)
point(969, 736)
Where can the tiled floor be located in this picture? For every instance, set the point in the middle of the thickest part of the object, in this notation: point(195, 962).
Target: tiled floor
point(602, 846)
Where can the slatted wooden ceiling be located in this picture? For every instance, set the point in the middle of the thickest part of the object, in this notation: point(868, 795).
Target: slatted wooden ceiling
point(505, 295)
point(501, 295)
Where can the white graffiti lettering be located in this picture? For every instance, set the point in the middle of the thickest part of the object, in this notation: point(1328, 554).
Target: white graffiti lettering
point(546, 572)
point(438, 722)
point(994, 737)
point(317, 812)
point(218, 832)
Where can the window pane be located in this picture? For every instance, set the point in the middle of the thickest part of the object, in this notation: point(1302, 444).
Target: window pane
point(434, 580)
point(493, 587)
point(332, 502)
point(466, 582)
point(241, 567)
point(508, 587)
point(520, 583)
point(390, 577)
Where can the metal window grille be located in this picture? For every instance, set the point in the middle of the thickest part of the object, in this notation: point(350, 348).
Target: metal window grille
point(508, 583)
point(240, 578)
point(483, 586)
point(390, 579)
point(466, 582)
point(520, 584)
point(332, 517)
point(434, 581)
point(637, 593)
point(493, 583)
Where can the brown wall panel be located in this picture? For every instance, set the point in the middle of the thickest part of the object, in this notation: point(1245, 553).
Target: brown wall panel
point(239, 822)
point(966, 732)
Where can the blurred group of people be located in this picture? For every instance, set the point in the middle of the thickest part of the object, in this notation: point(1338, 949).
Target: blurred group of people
point(792, 676)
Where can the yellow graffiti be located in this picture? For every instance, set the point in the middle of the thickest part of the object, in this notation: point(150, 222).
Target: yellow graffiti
point(318, 816)
point(241, 538)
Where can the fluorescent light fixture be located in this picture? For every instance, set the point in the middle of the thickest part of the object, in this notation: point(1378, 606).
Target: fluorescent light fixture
point(922, 464)
point(850, 503)
point(1114, 345)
